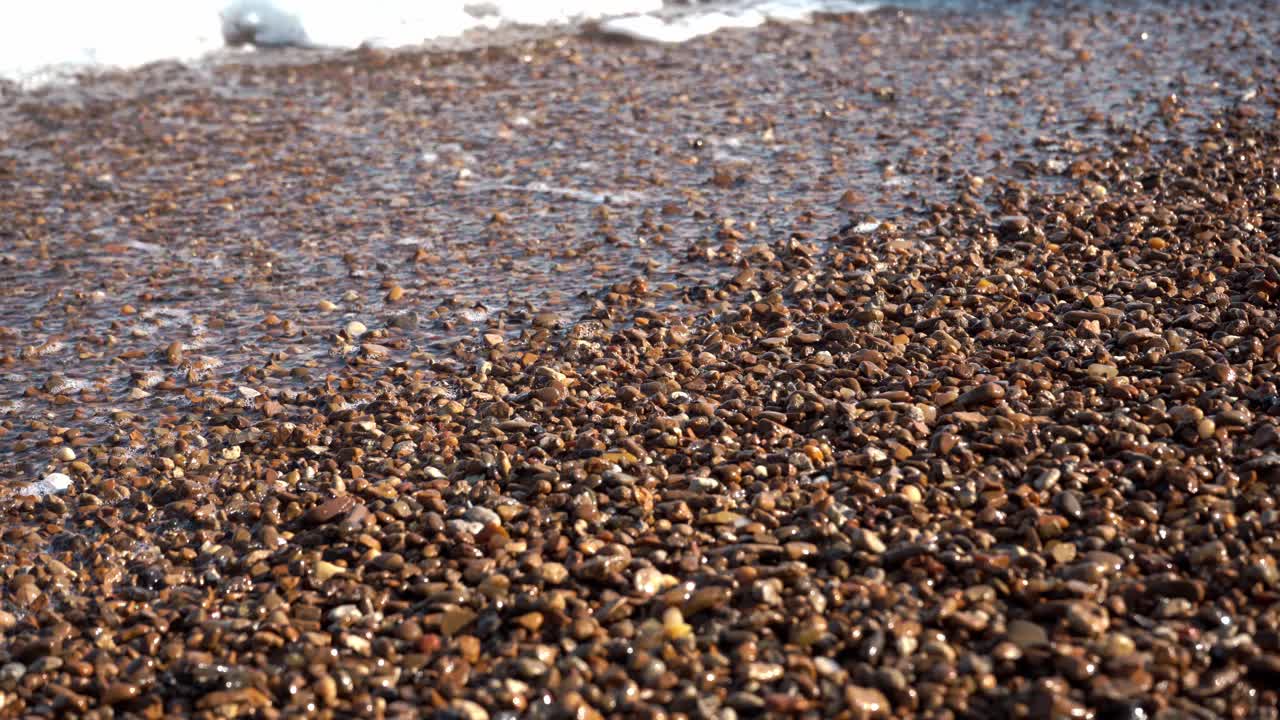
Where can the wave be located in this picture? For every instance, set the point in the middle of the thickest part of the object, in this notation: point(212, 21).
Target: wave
point(58, 39)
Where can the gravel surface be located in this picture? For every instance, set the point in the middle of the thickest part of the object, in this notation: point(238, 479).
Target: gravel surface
point(908, 364)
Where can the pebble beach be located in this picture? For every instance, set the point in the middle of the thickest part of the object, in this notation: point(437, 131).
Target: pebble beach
point(907, 363)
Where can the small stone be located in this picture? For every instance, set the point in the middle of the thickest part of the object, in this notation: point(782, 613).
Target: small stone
point(48, 663)
point(706, 598)
point(116, 693)
point(1265, 569)
point(1026, 634)
point(483, 515)
point(1062, 552)
point(12, 672)
point(1217, 682)
point(650, 581)
point(455, 620)
point(355, 329)
point(1068, 503)
point(984, 394)
point(1103, 371)
point(327, 690)
point(870, 542)
point(235, 700)
point(765, 672)
point(703, 483)
point(531, 621)
point(673, 625)
point(1117, 645)
point(65, 454)
point(866, 703)
point(405, 321)
point(800, 550)
point(768, 591)
point(746, 703)
point(469, 710)
point(1086, 618)
point(50, 484)
point(324, 570)
point(1209, 554)
point(1177, 588)
point(601, 567)
point(357, 644)
point(554, 573)
point(495, 586)
point(329, 509)
point(345, 614)
point(1206, 428)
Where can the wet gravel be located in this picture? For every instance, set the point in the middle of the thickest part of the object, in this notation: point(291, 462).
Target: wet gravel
point(917, 365)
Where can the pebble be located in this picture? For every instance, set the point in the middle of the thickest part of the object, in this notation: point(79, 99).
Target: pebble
point(867, 703)
point(469, 710)
point(1026, 635)
point(119, 692)
point(455, 620)
point(554, 573)
point(330, 509)
point(483, 515)
point(650, 581)
point(871, 542)
point(12, 672)
point(1087, 618)
point(50, 484)
point(984, 394)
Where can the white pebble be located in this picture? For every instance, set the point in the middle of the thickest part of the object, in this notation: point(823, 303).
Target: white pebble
point(52, 484)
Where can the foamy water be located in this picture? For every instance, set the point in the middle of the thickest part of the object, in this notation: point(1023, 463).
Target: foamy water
point(43, 41)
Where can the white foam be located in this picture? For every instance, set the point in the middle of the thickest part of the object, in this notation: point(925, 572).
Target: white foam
point(44, 41)
point(619, 197)
point(474, 314)
point(650, 28)
point(51, 484)
point(685, 27)
point(40, 41)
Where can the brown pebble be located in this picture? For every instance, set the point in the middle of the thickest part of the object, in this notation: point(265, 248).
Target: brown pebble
point(116, 693)
point(867, 703)
point(330, 509)
point(984, 394)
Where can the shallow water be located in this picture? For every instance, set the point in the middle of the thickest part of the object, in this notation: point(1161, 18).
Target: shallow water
point(218, 208)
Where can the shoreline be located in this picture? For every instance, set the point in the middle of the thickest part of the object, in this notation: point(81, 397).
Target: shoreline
point(891, 381)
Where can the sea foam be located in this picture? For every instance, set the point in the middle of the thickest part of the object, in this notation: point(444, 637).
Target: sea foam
point(54, 39)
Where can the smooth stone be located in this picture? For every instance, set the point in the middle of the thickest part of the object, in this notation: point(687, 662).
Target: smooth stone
point(1026, 634)
point(329, 509)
